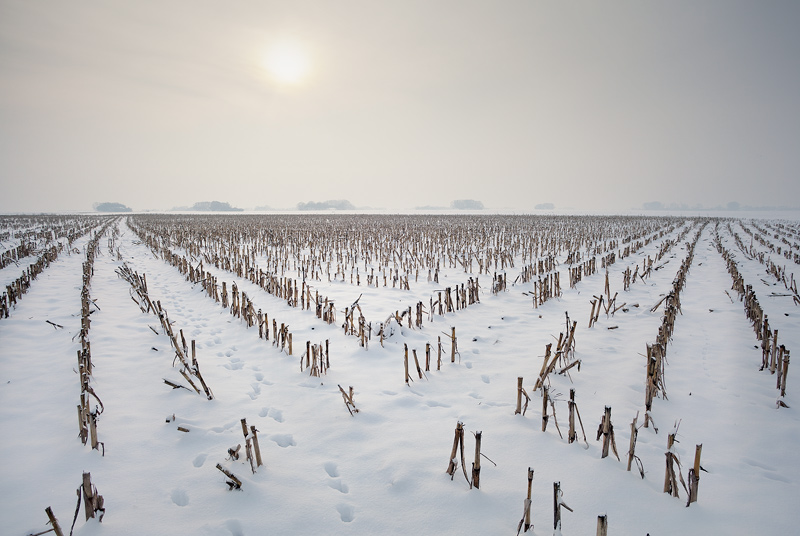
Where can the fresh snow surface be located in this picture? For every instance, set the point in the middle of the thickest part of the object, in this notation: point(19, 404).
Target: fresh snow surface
point(382, 471)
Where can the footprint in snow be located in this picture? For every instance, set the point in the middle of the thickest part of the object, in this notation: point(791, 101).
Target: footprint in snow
point(180, 497)
point(283, 440)
point(346, 512)
point(275, 414)
point(199, 460)
point(485, 378)
point(338, 485)
point(235, 527)
point(331, 469)
point(221, 429)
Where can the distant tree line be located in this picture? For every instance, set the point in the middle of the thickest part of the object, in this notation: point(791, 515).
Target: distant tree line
point(466, 204)
point(338, 204)
point(111, 207)
point(214, 206)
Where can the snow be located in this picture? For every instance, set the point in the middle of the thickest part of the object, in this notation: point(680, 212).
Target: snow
point(382, 470)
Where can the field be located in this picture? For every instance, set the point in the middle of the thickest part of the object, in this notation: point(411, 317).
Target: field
point(376, 374)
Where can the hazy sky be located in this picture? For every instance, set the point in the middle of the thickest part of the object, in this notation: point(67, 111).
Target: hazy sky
point(588, 105)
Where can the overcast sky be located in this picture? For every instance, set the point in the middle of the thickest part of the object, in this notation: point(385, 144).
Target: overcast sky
point(590, 105)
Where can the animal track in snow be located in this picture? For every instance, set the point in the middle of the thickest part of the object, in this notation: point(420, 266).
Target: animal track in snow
point(199, 460)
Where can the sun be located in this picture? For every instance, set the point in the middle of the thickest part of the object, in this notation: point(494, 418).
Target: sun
point(287, 64)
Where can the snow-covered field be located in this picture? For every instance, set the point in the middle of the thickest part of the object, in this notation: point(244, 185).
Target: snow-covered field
point(383, 469)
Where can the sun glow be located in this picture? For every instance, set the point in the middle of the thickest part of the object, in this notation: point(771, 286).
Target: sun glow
point(287, 64)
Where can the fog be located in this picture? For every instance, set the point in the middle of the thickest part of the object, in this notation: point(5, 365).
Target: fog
point(585, 105)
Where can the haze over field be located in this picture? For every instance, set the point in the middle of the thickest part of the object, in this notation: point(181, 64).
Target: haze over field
point(427, 322)
point(397, 105)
